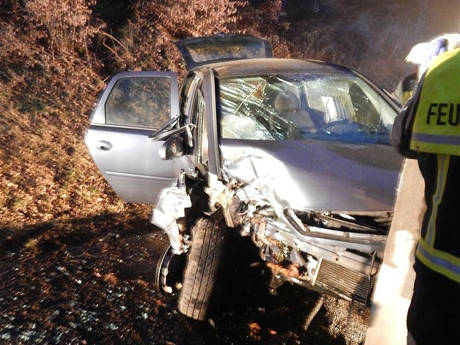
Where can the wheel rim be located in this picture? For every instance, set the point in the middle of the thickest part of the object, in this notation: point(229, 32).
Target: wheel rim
point(169, 271)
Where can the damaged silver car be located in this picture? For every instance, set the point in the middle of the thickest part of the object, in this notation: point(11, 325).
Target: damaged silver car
point(293, 154)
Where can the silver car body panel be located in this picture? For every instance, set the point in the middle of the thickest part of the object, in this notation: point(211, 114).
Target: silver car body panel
point(133, 166)
point(314, 175)
point(125, 154)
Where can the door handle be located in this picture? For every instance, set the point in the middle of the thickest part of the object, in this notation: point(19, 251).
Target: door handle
point(104, 145)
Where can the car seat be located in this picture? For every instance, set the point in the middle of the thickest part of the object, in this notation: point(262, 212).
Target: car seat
point(287, 105)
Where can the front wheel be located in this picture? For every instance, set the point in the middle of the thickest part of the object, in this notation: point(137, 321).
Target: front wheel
point(201, 269)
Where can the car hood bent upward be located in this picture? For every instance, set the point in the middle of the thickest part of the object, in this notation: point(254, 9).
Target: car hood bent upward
point(312, 174)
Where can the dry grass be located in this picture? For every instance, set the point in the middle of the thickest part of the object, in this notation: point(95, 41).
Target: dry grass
point(49, 81)
point(54, 60)
point(55, 56)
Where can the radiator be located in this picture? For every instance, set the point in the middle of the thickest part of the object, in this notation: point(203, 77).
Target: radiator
point(344, 282)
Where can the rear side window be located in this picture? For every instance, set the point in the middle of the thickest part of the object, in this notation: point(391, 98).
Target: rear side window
point(139, 102)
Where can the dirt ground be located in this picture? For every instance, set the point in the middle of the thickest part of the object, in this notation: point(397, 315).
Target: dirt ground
point(90, 281)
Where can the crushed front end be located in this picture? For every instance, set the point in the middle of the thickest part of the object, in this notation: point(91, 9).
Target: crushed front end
point(337, 253)
point(331, 252)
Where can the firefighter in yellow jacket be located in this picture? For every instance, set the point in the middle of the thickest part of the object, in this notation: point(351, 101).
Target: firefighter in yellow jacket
point(428, 128)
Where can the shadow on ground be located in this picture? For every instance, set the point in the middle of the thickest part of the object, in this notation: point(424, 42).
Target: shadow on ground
point(91, 281)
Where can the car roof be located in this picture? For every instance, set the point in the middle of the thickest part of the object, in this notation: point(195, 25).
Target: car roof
point(250, 67)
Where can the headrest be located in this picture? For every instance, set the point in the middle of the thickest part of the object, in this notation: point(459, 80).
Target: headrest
point(286, 101)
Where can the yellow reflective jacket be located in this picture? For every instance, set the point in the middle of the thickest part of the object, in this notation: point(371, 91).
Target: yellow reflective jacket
point(428, 128)
point(436, 126)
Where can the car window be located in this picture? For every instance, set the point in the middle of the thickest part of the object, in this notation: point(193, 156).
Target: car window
point(204, 50)
point(139, 102)
point(337, 106)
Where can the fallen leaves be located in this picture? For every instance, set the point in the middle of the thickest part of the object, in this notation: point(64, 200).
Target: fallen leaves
point(110, 278)
point(254, 330)
point(32, 243)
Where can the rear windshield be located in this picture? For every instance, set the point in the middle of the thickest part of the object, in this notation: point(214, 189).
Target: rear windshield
point(336, 107)
point(223, 47)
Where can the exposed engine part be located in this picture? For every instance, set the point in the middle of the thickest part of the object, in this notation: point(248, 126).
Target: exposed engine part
point(332, 252)
point(223, 197)
point(359, 241)
point(275, 282)
point(344, 282)
point(339, 254)
point(378, 224)
point(336, 270)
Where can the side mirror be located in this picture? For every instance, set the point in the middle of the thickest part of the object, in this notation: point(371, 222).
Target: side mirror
point(164, 133)
point(173, 147)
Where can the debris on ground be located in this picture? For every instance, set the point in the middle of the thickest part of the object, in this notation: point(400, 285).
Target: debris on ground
point(91, 281)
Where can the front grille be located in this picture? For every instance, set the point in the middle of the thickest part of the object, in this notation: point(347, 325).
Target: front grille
point(346, 283)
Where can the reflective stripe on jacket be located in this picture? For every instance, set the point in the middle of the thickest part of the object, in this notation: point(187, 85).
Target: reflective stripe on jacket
point(437, 120)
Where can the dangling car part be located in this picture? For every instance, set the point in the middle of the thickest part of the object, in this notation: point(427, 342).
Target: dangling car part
point(294, 154)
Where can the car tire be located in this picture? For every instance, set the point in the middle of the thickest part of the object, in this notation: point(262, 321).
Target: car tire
point(203, 261)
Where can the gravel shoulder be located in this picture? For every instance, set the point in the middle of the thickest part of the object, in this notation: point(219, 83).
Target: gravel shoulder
point(90, 281)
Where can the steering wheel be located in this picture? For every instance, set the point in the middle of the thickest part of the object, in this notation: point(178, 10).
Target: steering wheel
point(284, 126)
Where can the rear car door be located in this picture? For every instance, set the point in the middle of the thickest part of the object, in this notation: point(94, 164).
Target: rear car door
point(132, 107)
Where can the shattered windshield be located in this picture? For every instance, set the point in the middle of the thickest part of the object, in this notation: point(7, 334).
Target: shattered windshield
point(338, 107)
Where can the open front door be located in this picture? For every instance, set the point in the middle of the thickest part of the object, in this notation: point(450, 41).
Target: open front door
point(131, 108)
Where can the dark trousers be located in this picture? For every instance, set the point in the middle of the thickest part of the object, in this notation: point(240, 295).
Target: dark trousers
point(434, 313)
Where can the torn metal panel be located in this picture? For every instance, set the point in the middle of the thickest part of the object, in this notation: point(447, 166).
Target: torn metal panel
point(264, 180)
point(172, 203)
point(294, 251)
